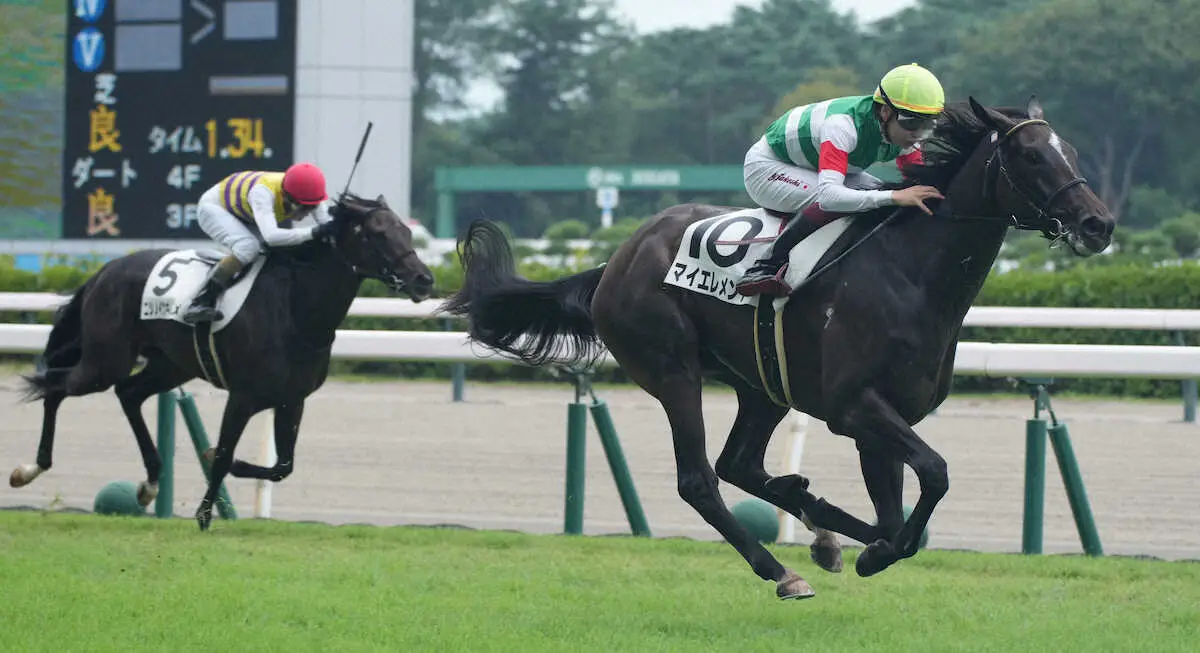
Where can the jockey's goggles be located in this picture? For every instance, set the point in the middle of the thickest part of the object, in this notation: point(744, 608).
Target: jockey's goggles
point(290, 205)
point(917, 123)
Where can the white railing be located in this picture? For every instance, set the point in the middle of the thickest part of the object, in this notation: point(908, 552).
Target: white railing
point(1146, 319)
point(973, 358)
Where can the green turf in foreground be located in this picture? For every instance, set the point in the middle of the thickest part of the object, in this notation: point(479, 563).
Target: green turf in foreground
point(88, 583)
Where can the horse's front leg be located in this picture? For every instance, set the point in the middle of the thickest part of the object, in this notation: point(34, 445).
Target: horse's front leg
point(885, 442)
point(287, 429)
point(741, 463)
point(239, 408)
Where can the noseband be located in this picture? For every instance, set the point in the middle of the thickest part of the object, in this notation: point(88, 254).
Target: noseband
point(996, 167)
point(385, 272)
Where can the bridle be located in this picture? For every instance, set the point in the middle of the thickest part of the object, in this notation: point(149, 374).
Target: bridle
point(385, 273)
point(996, 167)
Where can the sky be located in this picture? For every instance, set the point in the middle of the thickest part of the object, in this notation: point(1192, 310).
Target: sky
point(654, 15)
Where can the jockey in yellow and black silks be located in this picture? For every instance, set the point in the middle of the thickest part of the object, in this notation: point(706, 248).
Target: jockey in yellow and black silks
point(244, 210)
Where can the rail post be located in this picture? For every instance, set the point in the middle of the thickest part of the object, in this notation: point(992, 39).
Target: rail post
point(1036, 432)
point(1035, 470)
point(164, 502)
point(458, 371)
point(576, 459)
point(619, 467)
point(1187, 388)
point(577, 412)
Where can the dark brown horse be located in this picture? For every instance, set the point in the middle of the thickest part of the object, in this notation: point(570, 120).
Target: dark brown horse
point(871, 341)
point(274, 352)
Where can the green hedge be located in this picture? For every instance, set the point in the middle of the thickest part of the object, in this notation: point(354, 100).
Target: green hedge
point(1118, 286)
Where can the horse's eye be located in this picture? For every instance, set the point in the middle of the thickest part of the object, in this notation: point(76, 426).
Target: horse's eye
point(1033, 156)
point(358, 228)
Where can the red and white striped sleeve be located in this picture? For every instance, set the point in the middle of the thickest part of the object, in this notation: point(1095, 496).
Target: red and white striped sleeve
point(838, 136)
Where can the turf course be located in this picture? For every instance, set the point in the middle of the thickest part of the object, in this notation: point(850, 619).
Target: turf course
point(84, 582)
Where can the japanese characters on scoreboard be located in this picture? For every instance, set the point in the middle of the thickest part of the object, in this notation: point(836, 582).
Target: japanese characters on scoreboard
point(164, 98)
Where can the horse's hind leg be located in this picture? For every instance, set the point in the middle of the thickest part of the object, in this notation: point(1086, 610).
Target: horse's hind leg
point(98, 369)
point(680, 397)
point(741, 464)
point(159, 375)
point(25, 474)
point(287, 428)
point(666, 364)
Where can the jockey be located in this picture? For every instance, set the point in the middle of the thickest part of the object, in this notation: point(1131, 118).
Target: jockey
point(247, 207)
point(811, 162)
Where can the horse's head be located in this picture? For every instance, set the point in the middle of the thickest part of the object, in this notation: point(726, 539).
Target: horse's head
point(377, 243)
point(1032, 175)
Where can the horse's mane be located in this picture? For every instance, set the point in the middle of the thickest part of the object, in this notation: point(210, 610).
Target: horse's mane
point(954, 139)
point(350, 205)
point(955, 136)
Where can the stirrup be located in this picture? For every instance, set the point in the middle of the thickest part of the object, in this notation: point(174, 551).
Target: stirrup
point(197, 313)
point(765, 284)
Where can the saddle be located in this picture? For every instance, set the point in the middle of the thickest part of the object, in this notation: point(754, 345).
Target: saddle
point(782, 215)
point(214, 256)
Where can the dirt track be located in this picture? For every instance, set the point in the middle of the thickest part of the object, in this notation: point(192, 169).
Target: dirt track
point(403, 453)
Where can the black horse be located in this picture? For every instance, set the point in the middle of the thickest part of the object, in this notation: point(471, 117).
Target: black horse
point(272, 354)
point(871, 341)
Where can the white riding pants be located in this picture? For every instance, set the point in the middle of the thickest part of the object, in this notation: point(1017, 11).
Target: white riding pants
point(781, 186)
point(223, 227)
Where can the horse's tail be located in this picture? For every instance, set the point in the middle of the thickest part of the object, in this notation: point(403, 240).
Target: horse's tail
point(537, 322)
point(64, 349)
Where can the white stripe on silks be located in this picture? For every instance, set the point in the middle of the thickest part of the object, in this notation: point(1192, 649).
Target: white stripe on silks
point(816, 120)
point(791, 135)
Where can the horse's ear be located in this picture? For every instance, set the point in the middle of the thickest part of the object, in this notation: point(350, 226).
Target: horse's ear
point(382, 200)
point(1034, 108)
point(980, 112)
point(991, 118)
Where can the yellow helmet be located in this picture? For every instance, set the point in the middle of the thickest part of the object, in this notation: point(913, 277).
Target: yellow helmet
point(911, 89)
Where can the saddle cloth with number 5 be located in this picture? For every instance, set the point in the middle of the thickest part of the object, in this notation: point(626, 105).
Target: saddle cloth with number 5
point(179, 276)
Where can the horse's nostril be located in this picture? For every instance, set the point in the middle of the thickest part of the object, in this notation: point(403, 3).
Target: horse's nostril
point(1094, 226)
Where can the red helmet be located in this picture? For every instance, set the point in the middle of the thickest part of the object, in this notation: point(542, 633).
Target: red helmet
point(305, 183)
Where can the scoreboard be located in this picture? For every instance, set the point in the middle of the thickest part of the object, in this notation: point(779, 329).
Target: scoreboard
point(165, 98)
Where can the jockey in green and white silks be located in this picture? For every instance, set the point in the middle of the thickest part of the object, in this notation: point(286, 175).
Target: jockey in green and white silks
point(811, 162)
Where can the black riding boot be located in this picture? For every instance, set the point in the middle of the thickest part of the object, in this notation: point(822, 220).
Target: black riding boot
point(766, 275)
point(204, 306)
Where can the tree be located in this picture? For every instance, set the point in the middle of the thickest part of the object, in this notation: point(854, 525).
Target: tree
point(1149, 206)
point(450, 51)
point(931, 33)
point(550, 52)
point(702, 93)
point(1111, 89)
point(820, 84)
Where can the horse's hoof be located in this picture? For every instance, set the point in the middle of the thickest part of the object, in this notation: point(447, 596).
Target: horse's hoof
point(781, 486)
point(146, 493)
point(878, 555)
point(204, 517)
point(24, 475)
point(827, 555)
point(792, 586)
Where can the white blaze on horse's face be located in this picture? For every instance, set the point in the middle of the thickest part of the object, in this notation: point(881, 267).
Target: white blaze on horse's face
point(1056, 143)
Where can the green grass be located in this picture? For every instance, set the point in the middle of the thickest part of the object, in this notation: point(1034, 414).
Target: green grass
point(82, 582)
